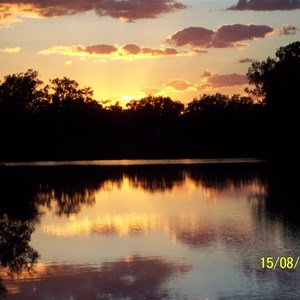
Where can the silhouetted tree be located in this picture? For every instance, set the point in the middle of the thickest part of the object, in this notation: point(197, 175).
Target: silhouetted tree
point(154, 116)
point(21, 93)
point(208, 104)
point(224, 125)
point(276, 80)
point(162, 106)
point(66, 96)
point(63, 121)
point(66, 90)
point(115, 108)
point(218, 103)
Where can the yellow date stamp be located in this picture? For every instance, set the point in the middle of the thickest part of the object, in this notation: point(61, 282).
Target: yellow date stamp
point(279, 262)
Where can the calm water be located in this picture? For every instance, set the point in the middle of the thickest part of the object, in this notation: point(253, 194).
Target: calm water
point(179, 230)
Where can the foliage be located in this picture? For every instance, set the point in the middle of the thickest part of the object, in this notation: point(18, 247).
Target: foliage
point(156, 106)
point(20, 93)
point(15, 252)
point(276, 80)
point(67, 92)
point(61, 120)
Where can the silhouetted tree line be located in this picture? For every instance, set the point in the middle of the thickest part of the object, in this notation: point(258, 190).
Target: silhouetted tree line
point(62, 120)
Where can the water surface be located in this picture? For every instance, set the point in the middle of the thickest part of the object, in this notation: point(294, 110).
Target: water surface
point(194, 230)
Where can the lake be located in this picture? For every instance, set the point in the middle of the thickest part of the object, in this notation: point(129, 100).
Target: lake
point(176, 229)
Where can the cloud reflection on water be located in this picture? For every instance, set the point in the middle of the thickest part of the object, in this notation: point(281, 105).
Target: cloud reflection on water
point(131, 277)
point(236, 212)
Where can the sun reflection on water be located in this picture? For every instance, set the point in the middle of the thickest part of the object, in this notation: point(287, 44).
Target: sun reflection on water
point(192, 214)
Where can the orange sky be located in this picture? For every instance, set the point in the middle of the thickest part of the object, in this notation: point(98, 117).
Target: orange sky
point(129, 49)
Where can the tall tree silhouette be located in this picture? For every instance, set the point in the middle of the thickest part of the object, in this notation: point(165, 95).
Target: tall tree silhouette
point(67, 92)
point(276, 80)
point(21, 93)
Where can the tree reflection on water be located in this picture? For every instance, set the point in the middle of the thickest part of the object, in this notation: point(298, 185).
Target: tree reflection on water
point(67, 190)
point(16, 256)
point(3, 289)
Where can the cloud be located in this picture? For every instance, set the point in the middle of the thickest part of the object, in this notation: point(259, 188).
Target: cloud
point(13, 12)
point(128, 51)
point(124, 278)
point(131, 10)
point(99, 49)
point(132, 49)
point(287, 30)
point(212, 81)
point(180, 85)
point(10, 50)
point(206, 74)
point(200, 51)
point(5, 13)
point(195, 36)
point(229, 34)
point(149, 91)
point(209, 81)
point(223, 37)
point(246, 60)
point(125, 10)
point(265, 5)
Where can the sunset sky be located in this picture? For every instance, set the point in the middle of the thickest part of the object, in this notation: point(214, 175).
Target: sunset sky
point(127, 49)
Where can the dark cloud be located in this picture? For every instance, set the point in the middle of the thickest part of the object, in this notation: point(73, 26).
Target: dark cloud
point(100, 49)
point(131, 10)
point(212, 81)
point(194, 36)
point(208, 81)
point(206, 74)
point(170, 51)
point(246, 60)
point(227, 80)
point(287, 30)
point(132, 49)
point(224, 36)
point(238, 32)
point(266, 5)
point(126, 10)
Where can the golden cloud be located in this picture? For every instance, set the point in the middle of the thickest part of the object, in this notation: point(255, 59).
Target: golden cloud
point(128, 51)
point(10, 50)
point(126, 10)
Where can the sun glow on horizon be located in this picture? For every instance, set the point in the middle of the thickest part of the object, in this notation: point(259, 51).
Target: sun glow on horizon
point(150, 51)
